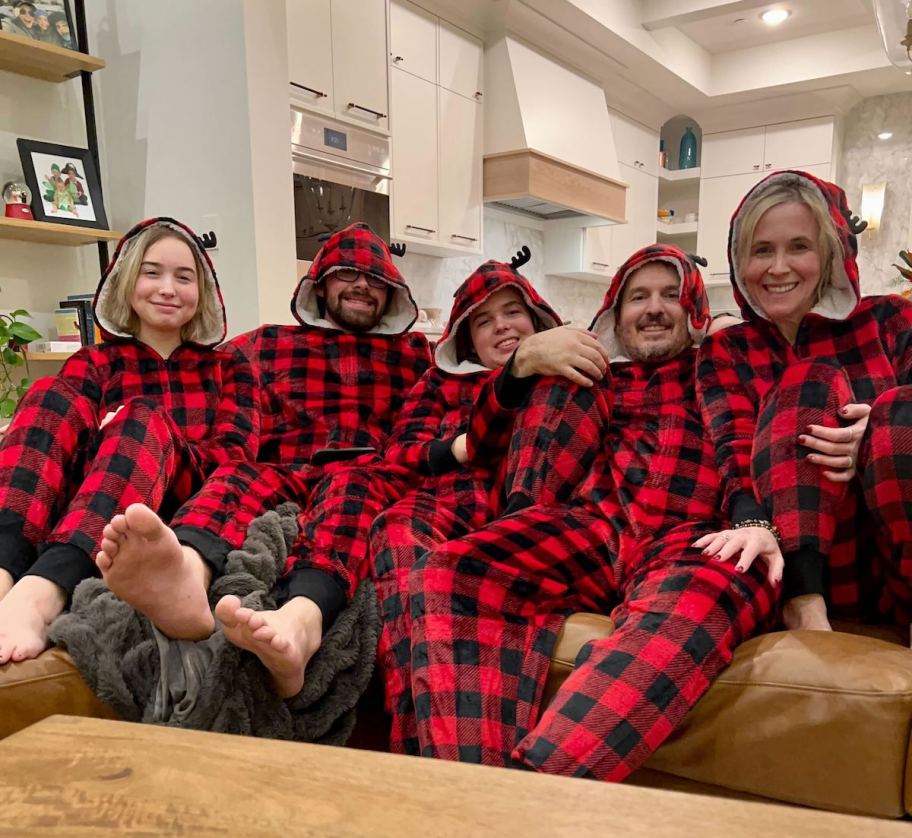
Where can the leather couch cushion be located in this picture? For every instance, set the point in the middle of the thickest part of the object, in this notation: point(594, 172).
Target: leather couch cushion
point(35, 689)
point(818, 718)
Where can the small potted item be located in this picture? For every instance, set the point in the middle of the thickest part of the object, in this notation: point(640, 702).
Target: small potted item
point(17, 197)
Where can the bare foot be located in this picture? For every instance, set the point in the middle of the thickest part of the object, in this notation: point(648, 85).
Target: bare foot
point(284, 640)
point(6, 583)
point(806, 612)
point(25, 614)
point(145, 565)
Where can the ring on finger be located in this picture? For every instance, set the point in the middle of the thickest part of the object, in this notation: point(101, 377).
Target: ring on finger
point(724, 536)
point(851, 461)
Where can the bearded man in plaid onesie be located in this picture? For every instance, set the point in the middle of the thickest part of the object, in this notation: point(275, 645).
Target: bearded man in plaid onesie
point(336, 381)
point(609, 486)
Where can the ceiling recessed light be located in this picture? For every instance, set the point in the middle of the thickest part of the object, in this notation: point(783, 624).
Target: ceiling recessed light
point(773, 17)
point(884, 135)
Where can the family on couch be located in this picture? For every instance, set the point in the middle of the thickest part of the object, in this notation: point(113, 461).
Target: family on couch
point(535, 470)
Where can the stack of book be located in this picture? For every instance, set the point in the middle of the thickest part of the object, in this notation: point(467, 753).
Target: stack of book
point(75, 320)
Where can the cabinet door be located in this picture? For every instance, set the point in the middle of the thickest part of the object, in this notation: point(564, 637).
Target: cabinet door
point(359, 61)
point(459, 61)
point(414, 140)
point(598, 243)
point(310, 67)
point(636, 145)
point(640, 229)
point(459, 165)
point(732, 153)
point(719, 198)
point(413, 40)
point(794, 145)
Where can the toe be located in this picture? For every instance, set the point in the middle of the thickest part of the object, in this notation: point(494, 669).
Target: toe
point(103, 561)
point(119, 524)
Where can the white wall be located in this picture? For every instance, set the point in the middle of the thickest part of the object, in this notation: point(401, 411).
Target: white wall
point(188, 128)
point(865, 159)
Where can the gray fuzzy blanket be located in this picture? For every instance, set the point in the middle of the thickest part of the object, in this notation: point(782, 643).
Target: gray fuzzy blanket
point(212, 684)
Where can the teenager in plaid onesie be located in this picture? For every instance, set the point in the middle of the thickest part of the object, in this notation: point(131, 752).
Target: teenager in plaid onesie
point(493, 310)
point(143, 417)
point(808, 403)
point(609, 487)
point(337, 380)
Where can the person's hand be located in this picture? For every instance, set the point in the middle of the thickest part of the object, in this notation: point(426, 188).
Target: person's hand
point(460, 452)
point(4, 428)
point(836, 449)
point(748, 544)
point(569, 351)
point(108, 417)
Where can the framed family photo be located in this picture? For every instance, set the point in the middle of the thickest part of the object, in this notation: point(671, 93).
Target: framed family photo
point(64, 183)
point(48, 21)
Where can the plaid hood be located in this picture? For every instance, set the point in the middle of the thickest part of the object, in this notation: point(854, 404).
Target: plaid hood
point(844, 292)
point(486, 280)
point(357, 248)
point(213, 333)
point(693, 296)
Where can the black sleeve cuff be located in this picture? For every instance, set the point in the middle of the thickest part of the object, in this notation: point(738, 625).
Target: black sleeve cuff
point(441, 458)
point(316, 585)
point(743, 507)
point(804, 573)
point(511, 392)
point(65, 565)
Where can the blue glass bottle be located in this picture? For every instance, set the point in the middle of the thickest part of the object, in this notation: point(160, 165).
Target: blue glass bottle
point(687, 153)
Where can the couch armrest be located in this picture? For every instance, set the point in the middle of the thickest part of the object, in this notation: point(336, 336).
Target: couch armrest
point(49, 684)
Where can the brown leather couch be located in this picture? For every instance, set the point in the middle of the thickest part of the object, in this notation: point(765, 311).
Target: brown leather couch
point(812, 718)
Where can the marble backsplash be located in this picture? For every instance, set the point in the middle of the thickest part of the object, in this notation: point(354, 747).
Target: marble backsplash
point(866, 159)
point(434, 280)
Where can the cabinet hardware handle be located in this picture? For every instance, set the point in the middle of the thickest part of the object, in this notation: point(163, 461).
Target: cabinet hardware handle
point(769, 165)
point(357, 107)
point(466, 238)
point(318, 93)
point(397, 59)
point(416, 227)
point(601, 264)
point(756, 166)
point(478, 94)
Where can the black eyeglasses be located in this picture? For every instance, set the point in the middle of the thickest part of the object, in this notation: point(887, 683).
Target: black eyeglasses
point(352, 276)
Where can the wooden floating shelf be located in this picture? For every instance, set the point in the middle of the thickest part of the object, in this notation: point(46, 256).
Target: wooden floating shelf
point(30, 230)
point(22, 55)
point(49, 356)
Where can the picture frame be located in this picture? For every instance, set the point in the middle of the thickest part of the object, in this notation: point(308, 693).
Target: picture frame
point(46, 21)
point(65, 185)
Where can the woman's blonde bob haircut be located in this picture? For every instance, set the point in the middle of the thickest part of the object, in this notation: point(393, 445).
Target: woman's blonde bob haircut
point(122, 282)
point(829, 245)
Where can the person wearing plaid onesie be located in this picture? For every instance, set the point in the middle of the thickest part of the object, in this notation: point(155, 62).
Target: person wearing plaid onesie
point(809, 405)
point(608, 488)
point(334, 381)
point(143, 417)
point(453, 460)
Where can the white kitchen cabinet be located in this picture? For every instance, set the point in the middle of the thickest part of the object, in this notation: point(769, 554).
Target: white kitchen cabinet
point(460, 61)
point(640, 229)
point(337, 58)
point(575, 251)
point(413, 40)
point(359, 61)
point(786, 145)
point(414, 140)
point(719, 198)
point(459, 170)
point(636, 145)
point(310, 68)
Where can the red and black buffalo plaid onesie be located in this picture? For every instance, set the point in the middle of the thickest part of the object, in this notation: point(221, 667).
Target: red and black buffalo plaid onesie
point(62, 478)
point(321, 387)
point(759, 392)
point(450, 500)
point(640, 487)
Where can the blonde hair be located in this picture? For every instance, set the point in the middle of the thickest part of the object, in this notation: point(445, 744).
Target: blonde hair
point(829, 245)
point(122, 282)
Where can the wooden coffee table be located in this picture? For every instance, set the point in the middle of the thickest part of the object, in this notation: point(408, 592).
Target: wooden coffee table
point(80, 776)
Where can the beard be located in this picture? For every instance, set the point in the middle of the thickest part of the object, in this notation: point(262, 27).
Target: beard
point(643, 350)
point(354, 320)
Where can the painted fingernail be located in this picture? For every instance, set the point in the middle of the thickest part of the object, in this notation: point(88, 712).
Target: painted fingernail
point(843, 410)
point(740, 569)
point(802, 438)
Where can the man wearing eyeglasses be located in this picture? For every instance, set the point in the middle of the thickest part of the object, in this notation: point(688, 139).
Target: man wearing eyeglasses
point(330, 390)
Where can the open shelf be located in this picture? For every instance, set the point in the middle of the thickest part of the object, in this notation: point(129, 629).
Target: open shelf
point(674, 230)
point(29, 230)
point(48, 356)
point(19, 54)
point(676, 175)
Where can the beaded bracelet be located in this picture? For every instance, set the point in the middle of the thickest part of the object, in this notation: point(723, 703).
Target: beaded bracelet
point(759, 522)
